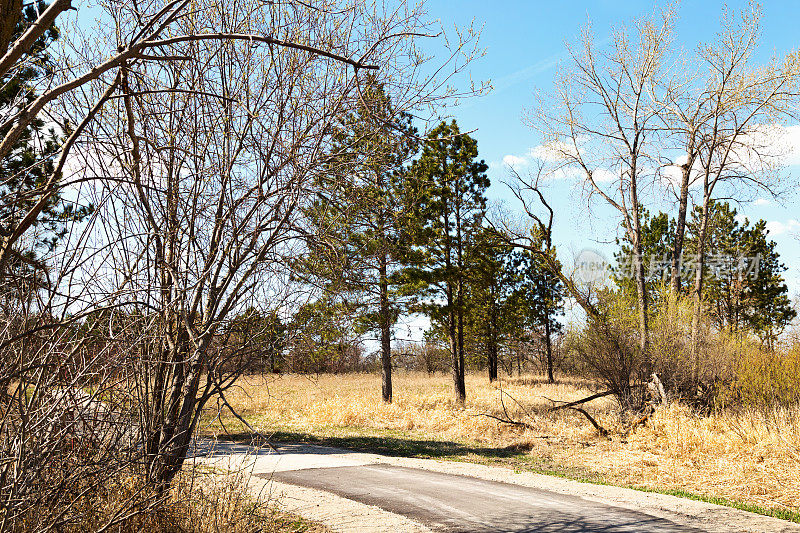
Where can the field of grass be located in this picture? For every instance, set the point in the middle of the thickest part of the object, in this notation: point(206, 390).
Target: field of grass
point(747, 459)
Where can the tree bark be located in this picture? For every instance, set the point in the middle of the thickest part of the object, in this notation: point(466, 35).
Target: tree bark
point(386, 334)
point(549, 348)
point(491, 346)
point(698, 286)
point(635, 229)
point(680, 229)
point(11, 10)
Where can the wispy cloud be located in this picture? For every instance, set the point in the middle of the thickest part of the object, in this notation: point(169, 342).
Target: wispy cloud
point(509, 80)
point(515, 161)
point(776, 227)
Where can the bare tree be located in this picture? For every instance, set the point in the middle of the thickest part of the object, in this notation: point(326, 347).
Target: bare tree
point(210, 167)
point(723, 117)
point(602, 123)
point(745, 105)
point(145, 33)
point(197, 131)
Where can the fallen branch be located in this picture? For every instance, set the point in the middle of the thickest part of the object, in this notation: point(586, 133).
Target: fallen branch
point(569, 405)
point(506, 419)
point(574, 406)
point(600, 429)
point(509, 421)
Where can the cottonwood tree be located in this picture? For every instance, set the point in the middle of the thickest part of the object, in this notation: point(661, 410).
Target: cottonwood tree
point(448, 188)
point(601, 123)
point(745, 106)
point(724, 117)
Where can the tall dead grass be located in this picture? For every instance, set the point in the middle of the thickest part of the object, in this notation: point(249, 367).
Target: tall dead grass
point(752, 456)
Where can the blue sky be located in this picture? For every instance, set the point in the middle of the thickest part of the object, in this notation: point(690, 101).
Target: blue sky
point(524, 42)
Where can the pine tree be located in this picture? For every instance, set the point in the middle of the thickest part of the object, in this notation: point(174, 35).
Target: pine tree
point(742, 273)
point(490, 314)
point(743, 281)
point(448, 189)
point(539, 298)
point(657, 234)
point(27, 168)
point(359, 218)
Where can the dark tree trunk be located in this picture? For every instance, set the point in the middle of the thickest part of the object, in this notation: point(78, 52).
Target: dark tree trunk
point(386, 334)
point(680, 229)
point(491, 349)
point(461, 389)
point(549, 348)
point(460, 386)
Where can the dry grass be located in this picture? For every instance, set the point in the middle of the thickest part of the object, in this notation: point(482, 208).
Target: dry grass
point(750, 457)
point(198, 502)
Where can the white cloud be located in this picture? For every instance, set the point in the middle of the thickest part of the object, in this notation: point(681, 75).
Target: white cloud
point(777, 227)
point(556, 154)
point(602, 175)
point(788, 144)
point(514, 161)
point(761, 202)
point(555, 151)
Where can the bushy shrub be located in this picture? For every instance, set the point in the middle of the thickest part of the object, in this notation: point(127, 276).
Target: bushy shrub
point(197, 502)
point(765, 378)
point(608, 349)
point(728, 368)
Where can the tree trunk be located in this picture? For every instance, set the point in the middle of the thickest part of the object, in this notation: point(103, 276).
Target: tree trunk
point(461, 390)
point(452, 335)
point(698, 287)
point(386, 339)
point(491, 350)
point(549, 348)
point(680, 229)
point(639, 273)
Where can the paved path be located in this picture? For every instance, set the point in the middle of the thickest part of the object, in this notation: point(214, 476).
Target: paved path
point(353, 491)
point(446, 502)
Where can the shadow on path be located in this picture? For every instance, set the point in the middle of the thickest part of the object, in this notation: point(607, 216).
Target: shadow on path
point(391, 446)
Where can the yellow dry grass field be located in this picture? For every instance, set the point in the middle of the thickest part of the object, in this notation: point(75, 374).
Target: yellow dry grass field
point(750, 457)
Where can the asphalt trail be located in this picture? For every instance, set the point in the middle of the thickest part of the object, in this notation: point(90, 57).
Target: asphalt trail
point(446, 502)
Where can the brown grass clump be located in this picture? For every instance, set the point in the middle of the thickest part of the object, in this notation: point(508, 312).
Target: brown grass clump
point(197, 502)
point(750, 456)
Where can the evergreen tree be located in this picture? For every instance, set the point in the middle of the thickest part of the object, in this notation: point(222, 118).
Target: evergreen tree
point(743, 282)
point(357, 222)
point(657, 234)
point(321, 338)
point(539, 298)
point(448, 188)
point(491, 317)
point(27, 167)
point(742, 273)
